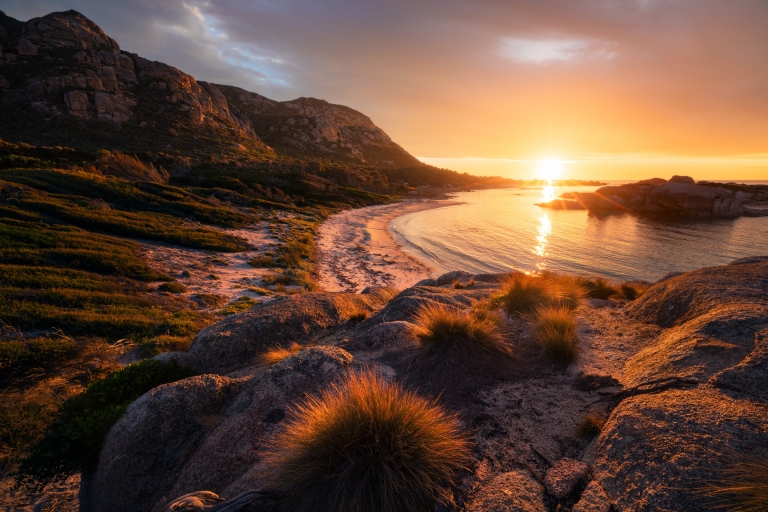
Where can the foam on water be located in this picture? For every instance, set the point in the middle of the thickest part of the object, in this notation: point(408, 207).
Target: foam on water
point(498, 230)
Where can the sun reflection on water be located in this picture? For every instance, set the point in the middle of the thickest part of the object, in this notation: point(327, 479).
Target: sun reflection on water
point(545, 229)
point(548, 193)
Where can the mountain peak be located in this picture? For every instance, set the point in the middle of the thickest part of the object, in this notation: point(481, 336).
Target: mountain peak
point(63, 67)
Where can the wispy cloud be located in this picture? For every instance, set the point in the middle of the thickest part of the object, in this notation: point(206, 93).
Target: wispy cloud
point(542, 51)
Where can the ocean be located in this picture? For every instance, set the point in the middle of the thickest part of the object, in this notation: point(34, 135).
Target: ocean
point(499, 230)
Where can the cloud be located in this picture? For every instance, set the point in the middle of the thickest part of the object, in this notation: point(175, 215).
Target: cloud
point(488, 78)
point(550, 50)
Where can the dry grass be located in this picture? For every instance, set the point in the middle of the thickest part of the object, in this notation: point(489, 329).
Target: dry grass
point(523, 293)
point(631, 291)
point(359, 315)
point(556, 333)
point(590, 426)
point(473, 337)
point(460, 286)
point(742, 487)
point(367, 446)
point(276, 354)
point(130, 168)
point(599, 288)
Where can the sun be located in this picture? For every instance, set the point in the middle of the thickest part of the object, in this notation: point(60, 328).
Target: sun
point(549, 169)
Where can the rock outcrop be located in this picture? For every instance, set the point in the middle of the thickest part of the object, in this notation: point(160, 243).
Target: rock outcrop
point(237, 340)
point(678, 197)
point(204, 432)
point(656, 451)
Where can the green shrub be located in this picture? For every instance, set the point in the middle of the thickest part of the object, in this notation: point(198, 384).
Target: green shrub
point(556, 333)
point(366, 446)
point(238, 306)
point(23, 354)
point(73, 441)
point(172, 287)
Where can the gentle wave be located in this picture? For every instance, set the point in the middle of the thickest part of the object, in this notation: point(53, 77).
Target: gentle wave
point(499, 230)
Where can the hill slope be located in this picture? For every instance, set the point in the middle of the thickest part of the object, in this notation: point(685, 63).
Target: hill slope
point(64, 81)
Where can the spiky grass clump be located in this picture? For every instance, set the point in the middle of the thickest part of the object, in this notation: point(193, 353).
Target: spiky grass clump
point(366, 446)
point(472, 337)
point(633, 290)
point(590, 426)
point(556, 333)
point(599, 288)
point(523, 293)
point(742, 487)
point(276, 354)
point(359, 315)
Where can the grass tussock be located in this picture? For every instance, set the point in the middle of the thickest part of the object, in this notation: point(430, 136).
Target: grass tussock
point(458, 285)
point(277, 354)
point(130, 168)
point(367, 445)
point(172, 287)
point(556, 333)
point(599, 288)
point(741, 487)
point(445, 330)
point(522, 293)
point(633, 290)
point(358, 315)
point(590, 426)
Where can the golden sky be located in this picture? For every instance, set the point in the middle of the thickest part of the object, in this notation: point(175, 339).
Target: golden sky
point(618, 89)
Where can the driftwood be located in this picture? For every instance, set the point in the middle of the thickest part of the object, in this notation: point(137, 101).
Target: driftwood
point(206, 501)
point(651, 386)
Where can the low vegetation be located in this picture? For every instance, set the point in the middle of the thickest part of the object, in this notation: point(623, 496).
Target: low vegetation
point(172, 287)
point(556, 333)
point(598, 288)
point(367, 445)
point(358, 315)
point(472, 338)
point(522, 293)
point(590, 426)
point(74, 440)
point(277, 354)
point(238, 306)
point(741, 486)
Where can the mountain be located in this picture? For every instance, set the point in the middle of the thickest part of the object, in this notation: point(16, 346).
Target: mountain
point(66, 82)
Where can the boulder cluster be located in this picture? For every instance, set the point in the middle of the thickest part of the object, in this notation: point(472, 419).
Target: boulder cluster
point(681, 196)
point(677, 377)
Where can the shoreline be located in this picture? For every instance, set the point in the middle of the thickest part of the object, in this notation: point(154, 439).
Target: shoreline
point(357, 248)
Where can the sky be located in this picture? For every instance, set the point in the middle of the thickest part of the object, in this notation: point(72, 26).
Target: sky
point(608, 89)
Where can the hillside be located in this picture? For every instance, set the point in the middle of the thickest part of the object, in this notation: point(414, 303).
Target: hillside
point(139, 204)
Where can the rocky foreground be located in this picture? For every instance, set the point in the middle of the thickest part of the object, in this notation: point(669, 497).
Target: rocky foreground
point(681, 196)
point(679, 375)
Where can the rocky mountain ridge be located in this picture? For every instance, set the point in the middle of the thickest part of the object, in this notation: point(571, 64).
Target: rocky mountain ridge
point(64, 65)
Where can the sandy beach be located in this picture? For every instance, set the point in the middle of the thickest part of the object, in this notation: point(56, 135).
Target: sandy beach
point(357, 249)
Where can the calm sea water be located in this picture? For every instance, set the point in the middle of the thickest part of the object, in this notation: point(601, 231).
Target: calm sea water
point(498, 230)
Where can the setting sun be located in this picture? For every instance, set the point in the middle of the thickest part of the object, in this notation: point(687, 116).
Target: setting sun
point(549, 169)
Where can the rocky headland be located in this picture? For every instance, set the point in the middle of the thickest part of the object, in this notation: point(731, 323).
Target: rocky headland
point(680, 197)
point(677, 376)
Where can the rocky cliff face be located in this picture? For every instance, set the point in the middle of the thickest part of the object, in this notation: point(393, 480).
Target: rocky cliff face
point(64, 66)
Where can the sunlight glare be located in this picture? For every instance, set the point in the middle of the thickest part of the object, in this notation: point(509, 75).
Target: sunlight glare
point(549, 169)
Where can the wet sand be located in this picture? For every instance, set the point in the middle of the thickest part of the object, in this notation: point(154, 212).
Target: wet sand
point(357, 249)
